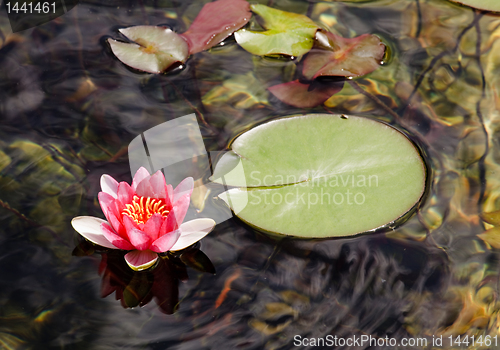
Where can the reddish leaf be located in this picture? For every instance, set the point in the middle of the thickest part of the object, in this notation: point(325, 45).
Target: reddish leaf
point(215, 22)
point(343, 56)
point(302, 95)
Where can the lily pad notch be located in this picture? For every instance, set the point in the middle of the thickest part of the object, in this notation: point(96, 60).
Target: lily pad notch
point(319, 175)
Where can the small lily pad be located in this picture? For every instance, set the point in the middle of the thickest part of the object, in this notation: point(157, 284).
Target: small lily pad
point(302, 95)
point(344, 57)
point(215, 22)
point(487, 5)
point(286, 33)
point(492, 218)
point(322, 175)
point(492, 237)
point(155, 48)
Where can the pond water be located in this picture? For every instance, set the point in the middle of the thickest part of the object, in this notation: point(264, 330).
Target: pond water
point(69, 109)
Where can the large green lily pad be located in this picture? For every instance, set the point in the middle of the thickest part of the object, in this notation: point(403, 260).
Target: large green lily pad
point(322, 175)
point(286, 33)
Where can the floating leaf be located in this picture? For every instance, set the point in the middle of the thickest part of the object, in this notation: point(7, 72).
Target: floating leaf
point(302, 95)
point(344, 57)
point(286, 33)
point(487, 5)
point(492, 237)
point(322, 176)
point(492, 218)
point(155, 50)
point(215, 22)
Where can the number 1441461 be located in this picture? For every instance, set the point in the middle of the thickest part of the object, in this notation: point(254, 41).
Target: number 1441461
point(30, 7)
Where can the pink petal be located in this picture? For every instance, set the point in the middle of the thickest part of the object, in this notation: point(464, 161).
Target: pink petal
point(90, 228)
point(117, 225)
point(140, 260)
point(109, 207)
point(165, 242)
point(215, 22)
point(153, 225)
point(181, 207)
point(302, 95)
point(157, 182)
point(119, 207)
point(129, 223)
point(109, 185)
point(139, 239)
point(169, 196)
point(192, 231)
point(107, 203)
point(185, 187)
point(170, 223)
point(169, 190)
point(145, 189)
point(140, 175)
point(116, 240)
point(125, 193)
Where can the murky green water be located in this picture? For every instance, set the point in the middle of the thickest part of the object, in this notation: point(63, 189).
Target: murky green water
point(68, 110)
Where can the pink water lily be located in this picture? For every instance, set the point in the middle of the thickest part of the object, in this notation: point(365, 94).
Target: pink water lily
point(145, 218)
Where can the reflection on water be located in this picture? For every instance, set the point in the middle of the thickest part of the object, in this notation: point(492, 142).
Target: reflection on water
point(138, 288)
point(69, 109)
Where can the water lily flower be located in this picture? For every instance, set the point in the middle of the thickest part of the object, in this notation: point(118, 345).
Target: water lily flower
point(145, 218)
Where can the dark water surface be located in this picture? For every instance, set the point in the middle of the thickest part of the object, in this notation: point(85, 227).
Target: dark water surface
point(68, 110)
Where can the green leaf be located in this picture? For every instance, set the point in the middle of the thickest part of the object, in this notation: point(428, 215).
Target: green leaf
point(155, 50)
point(492, 218)
point(322, 175)
point(492, 237)
point(344, 57)
point(487, 5)
point(286, 33)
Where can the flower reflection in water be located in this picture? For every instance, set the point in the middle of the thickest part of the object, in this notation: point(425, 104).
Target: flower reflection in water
point(138, 288)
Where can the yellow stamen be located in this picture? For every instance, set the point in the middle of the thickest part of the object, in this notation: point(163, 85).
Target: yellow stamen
point(150, 49)
point(142, 208)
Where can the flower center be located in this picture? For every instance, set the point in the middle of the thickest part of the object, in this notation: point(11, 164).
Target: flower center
point(150, 48)
point(142, 208)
